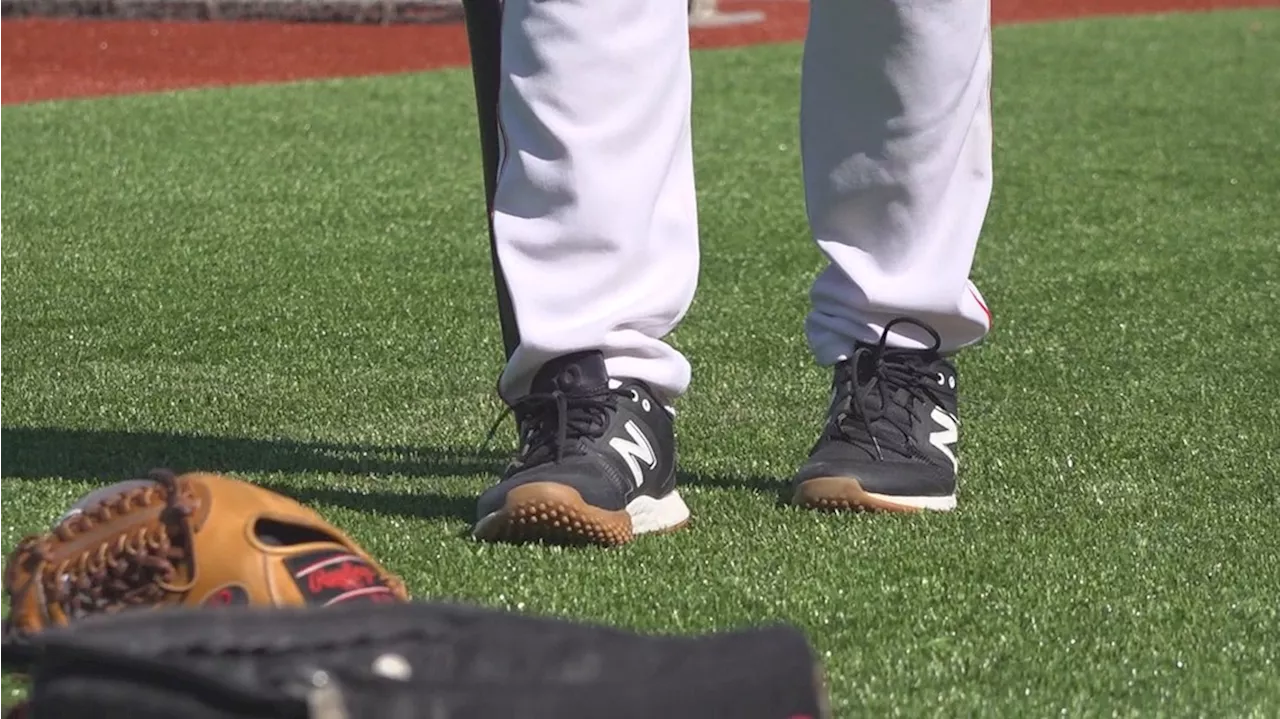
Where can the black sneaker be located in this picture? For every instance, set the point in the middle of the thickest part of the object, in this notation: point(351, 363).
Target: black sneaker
point(596, 463)
point(891, 435)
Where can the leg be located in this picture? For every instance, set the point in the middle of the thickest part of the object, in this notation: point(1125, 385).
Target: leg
point(594, 235)
point(896, 136)
point(484, 36)
point(593, 210)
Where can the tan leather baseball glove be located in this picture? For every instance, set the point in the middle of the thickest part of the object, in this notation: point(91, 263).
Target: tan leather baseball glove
point(196, 539)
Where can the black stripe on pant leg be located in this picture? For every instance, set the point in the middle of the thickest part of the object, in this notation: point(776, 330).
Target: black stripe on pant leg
point(484, 35)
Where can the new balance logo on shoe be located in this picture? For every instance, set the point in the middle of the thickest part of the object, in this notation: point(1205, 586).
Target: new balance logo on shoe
point(635, 451)
point(944, 439)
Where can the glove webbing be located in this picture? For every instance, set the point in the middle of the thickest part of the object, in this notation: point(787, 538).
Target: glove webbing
point(136, 568)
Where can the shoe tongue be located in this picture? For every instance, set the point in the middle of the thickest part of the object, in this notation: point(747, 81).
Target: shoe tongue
point(581, 373)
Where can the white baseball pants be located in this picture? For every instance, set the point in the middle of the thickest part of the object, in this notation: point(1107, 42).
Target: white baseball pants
point(595, 220)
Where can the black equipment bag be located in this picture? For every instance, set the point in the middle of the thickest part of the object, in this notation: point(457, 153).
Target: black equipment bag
point(407, 661)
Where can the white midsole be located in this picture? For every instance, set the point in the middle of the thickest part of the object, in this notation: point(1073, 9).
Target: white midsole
point(655, 515)
point(937, 504)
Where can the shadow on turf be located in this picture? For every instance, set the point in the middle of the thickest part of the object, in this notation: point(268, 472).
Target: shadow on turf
point(32, 452)
point(763, 485)
point(109, 456)
point(417, 505)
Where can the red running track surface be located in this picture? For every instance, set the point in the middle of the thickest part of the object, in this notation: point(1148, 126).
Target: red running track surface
point(46, 59)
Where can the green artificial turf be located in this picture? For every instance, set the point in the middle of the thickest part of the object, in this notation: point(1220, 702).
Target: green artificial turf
point(292, 284)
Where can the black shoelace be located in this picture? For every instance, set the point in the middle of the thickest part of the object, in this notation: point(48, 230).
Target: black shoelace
point(551, 423)
point(881, 371)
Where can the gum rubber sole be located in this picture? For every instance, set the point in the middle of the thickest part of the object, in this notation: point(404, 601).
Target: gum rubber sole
point(557, 514)
point(845, 493)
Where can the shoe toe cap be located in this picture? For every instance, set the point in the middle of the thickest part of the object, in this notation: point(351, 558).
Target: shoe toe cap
point(595, 489)
point(888, 477)
point(491, 500)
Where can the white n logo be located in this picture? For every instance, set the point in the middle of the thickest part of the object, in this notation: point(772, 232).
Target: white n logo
point(947, 436)
point(636, 451)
